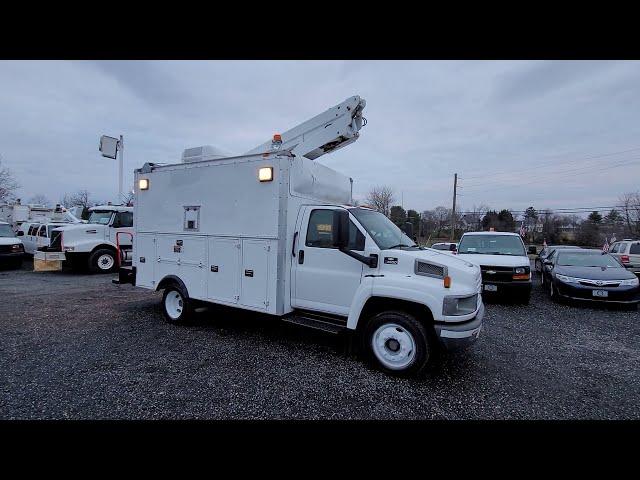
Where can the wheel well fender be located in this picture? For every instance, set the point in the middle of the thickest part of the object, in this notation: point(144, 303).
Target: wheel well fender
point(376, 304)
point(103, 246)
point(172, 280)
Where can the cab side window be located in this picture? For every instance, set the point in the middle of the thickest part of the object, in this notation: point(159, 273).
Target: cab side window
point(123, 219)
point(43, 231)
point(320, 231)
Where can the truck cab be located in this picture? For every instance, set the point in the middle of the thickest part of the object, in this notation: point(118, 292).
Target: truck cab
point(97, 243)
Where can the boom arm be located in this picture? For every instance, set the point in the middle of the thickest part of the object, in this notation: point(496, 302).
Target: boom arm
point(324, 133)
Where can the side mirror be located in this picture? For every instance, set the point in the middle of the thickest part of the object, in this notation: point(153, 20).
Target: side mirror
point(20, 233)
point(453, 247)
point(407, 228)
point(340, 228)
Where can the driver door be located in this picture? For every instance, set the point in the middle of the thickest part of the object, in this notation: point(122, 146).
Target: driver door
point(323, 278)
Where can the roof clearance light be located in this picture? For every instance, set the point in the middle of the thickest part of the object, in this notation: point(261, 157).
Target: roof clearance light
point(265, 174)
point(143, 183)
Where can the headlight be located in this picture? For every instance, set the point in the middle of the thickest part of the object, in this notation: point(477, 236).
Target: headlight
point(565, 279)
point(632, 282)
point(16, 247)
point(520, 270)
point(459, 305)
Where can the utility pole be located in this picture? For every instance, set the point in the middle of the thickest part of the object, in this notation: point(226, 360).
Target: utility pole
point(453, 210)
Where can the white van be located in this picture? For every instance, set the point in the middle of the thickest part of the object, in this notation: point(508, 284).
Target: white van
point(11, 248)
point(502, 257)
point(274, 231)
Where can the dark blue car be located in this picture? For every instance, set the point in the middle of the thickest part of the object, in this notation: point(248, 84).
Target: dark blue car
point(589, 275)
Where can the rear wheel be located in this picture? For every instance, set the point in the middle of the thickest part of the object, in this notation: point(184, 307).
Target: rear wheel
point(102, 261)
point(176, 306)
point(397, 343)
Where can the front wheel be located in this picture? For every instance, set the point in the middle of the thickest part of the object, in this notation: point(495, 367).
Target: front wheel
point(102, 261)
point(397, 343)
point(176, 306)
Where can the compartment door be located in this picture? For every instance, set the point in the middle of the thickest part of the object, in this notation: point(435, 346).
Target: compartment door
point(255, 274)
point(145, 260)
point(223, 277)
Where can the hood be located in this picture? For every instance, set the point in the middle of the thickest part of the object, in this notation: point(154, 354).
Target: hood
point(495, 260)
point(9, 240)
point(403, 261)
point(595, 273)
point(79, 226)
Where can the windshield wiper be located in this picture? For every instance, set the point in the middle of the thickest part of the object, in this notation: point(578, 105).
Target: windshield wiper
point(401, 245)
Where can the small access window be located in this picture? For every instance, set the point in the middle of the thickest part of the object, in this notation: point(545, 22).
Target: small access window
point(320, 231)
point(191, 218)
point(33, 229)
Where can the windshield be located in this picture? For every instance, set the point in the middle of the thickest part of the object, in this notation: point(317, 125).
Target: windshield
point(102, 217)
point(492, 245)
point(587, 259)
point(383, 231)
point(5, 231)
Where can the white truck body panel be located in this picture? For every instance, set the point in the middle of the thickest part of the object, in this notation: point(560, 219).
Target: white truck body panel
point(234, 209)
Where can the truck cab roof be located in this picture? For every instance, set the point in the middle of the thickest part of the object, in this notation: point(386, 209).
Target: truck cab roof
point(111, 208)
point(512, 234)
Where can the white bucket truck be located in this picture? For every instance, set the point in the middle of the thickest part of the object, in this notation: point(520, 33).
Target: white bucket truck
point(100, 244)
point(275, 232)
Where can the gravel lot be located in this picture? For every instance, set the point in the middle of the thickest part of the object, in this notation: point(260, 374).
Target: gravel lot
point(77, 346)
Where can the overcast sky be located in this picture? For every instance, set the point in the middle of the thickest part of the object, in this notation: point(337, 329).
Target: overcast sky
point(518, 133)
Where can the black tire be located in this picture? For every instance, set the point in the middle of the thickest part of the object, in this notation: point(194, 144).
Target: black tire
point(181, 314)
point(553, 293)
point(425, 350)
point(99, 263)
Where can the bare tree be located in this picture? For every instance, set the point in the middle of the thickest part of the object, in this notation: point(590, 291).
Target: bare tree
point(8, 184)
point(631, 212)
point(80, 198)
point(128, 197)
point(380, 198)
point(39, 199)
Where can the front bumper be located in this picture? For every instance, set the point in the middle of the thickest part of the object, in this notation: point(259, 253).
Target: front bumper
point(11, 256)
point(507, 288)
point(622, 295)
point(454, 336)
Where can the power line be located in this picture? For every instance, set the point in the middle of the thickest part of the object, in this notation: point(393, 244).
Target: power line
point(573, 170)
point(538, 165)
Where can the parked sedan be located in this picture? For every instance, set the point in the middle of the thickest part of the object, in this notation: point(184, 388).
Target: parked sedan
point(545, 253)
point(446, 246)
point(589, 275)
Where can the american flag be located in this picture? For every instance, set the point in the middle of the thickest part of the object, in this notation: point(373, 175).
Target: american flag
point(523, 230)
point(605, 247)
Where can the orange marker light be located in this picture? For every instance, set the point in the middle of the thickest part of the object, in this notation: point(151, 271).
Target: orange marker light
point(277, 137)
point(447, 281)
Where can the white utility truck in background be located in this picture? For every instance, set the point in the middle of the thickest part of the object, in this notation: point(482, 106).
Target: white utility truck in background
point(273, 231)
point(101, 244)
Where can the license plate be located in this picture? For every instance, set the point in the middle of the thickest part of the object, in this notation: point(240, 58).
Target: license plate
point(491, 288)
point(600, 293)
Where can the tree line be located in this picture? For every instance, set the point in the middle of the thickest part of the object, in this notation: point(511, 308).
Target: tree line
point(539, 226)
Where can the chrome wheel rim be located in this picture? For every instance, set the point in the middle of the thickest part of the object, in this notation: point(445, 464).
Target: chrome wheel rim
point(105, 262)
point(174, 305)
point(393, 346)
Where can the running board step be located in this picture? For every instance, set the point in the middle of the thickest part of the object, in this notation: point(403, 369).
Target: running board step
point(329, 325)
